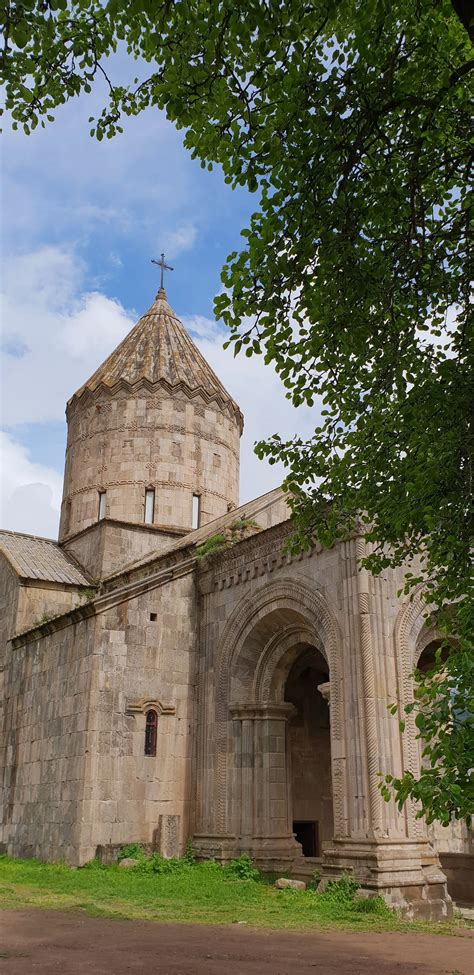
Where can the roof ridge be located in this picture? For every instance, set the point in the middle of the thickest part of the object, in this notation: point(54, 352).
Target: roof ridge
point(37, 538)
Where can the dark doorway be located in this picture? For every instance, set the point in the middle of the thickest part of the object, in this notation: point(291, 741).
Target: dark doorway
point(307, 834)
point(309, 750)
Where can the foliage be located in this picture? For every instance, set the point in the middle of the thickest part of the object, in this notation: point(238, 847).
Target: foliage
point(242, 869)
point(88, 594)
point(242, 523)
point(342, 890)
point(372, 905)
point(161, 865)
point(213, 545)
point(189, 855)
point(350, 119)
point(444, 716)
point(46, 617)
point(222, 540)
point(131, 851)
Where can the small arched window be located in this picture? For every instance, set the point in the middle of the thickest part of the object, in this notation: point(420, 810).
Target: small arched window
point(151, 728)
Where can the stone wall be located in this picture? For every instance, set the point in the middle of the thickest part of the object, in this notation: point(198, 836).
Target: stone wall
point(46, 743)
point(145, 663)
point(9, 591)
point(124, 443)
point(106, 547)
point(75, 776)
point(24, 603)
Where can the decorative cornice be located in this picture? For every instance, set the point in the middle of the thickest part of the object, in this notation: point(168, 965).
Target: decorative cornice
point(250, 558)
point(85, 396)
point(137, 526)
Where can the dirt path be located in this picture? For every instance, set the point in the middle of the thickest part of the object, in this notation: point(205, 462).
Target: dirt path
point(37, 942)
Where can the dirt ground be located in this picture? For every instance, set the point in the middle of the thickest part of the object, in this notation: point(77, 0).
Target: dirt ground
point(37, 942)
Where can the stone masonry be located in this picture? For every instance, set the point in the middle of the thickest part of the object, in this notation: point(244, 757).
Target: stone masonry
point(265, 678)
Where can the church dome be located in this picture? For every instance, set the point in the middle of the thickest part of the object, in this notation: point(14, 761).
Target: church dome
point(153, 435)
point(159, 350)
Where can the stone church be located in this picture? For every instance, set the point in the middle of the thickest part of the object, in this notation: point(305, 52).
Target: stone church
point(162, 685)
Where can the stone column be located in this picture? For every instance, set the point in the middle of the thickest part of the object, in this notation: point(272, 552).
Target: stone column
point(262, 813)
point(378, 850)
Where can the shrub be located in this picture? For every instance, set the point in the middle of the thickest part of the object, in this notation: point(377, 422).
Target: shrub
point(214, 544)
point(341, 891)
point(242, 869)
point(189, 855)
point(131, 850)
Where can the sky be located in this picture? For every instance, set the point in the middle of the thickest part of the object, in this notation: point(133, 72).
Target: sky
point(81, 221)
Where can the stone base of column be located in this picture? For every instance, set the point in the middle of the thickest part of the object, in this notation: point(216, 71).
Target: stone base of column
point(270, 854)
point(407, 874)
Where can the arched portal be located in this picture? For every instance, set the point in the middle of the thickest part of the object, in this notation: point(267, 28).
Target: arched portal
point(262, 662)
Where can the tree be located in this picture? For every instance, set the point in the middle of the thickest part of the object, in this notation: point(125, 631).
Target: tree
point(350, 120)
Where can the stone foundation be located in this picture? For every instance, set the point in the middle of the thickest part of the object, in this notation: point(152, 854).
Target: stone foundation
point(407, 875)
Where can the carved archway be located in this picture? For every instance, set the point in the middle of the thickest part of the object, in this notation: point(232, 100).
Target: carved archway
point(248, 674)
point(411, 635)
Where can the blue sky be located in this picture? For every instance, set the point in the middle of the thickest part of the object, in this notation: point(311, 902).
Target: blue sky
point(81, 221)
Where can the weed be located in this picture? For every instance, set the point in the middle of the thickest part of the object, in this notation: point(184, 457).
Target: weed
point(241, 523)
point(341, 891)
point(242, 869)
point(189, 855)
point(131, 851)
point(372, 905)
point(212, 545)
point(46, 617)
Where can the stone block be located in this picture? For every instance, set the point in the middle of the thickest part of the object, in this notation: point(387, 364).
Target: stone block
point(168, 835)
point(283, 884)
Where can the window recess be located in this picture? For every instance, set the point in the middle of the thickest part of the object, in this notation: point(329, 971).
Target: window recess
point(102, 505)
point(149, 506)
point(196, 513)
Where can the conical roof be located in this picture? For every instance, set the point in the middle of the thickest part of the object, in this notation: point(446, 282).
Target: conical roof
point(158, 350)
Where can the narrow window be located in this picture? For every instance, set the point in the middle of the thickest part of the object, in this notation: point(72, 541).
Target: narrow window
point(196, 511)
point(149, 506)
point(102, 500)
point(151, 727)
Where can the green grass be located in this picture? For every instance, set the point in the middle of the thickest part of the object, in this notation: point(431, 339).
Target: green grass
point(198, 893)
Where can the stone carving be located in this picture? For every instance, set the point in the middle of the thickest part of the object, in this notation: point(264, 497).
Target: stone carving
point(146, 704)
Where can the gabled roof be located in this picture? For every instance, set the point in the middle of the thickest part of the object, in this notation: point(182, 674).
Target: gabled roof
point(40, 558)
point(159, 350)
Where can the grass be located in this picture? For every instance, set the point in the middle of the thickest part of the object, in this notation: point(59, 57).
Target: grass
point(181, 891)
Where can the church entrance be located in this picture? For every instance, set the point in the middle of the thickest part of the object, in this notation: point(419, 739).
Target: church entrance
point(309, 752)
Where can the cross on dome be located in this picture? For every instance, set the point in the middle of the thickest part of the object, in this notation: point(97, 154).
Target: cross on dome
point(164, 267)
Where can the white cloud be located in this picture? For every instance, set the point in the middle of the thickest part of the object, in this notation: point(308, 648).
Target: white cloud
point(61, 182)
point(31, 493)
point(260, 395)
point(63, 333)
point(176, 241)
point(57, 336)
